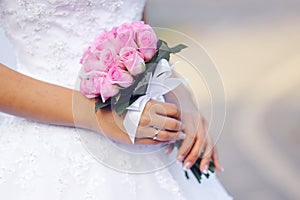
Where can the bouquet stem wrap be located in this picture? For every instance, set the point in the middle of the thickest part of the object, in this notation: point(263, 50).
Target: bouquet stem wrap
point(160, 83)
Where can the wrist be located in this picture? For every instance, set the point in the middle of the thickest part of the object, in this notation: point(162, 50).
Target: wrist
point(83, 111)
point(103, 121)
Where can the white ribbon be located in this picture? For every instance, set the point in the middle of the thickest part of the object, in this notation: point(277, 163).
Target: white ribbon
point(159, 84)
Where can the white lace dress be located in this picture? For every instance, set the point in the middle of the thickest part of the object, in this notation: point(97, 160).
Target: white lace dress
point(40, 161)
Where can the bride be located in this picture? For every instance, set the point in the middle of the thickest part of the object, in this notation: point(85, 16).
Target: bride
point(43, 156)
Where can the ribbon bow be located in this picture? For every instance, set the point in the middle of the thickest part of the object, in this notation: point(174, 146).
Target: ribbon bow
point(159, 84)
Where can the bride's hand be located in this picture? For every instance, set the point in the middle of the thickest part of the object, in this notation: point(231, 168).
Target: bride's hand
point(197, 142)
point(162, 117)
point(156, 116)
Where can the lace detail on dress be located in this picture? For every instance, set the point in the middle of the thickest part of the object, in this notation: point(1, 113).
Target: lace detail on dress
point(167, 182)
point(51, 35)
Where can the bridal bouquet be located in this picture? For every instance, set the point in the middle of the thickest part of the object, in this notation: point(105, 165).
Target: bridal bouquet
point(124, 68)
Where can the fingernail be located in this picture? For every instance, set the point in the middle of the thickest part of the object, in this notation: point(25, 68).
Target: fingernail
point(181, 135)
point(205, 171)
point(222, 169)
point(180, 158)
point(187, 166)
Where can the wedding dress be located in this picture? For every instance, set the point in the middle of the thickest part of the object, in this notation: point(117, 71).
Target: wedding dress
point(41, 161)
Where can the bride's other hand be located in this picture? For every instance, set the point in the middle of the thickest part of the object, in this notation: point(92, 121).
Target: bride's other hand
point(161, 118)
point(156, 116)
point(198, 141)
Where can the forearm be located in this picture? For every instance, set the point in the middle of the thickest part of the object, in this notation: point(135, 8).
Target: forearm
point(26, 97)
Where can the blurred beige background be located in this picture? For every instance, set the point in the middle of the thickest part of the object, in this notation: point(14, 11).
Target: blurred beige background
point(256, 47)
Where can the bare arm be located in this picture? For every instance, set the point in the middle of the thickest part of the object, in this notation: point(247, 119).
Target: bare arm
point(26, 97)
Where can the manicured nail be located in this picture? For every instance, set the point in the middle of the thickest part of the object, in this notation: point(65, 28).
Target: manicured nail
point(187, 166)
point(222, 169)
point(181, 135)
point(180, 158)
point(205, 171)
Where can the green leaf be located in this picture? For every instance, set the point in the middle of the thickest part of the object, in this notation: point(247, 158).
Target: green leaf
point(186, 175)
point(117, 97)
point(197, 173)
point(159, 43)
point(100, 104)
point(164, 50)
point(177, 48)
point(206, 175)
point(163, 54)
point(211, 167)
point(121, 108)
point(141, 87)
point(164, 46)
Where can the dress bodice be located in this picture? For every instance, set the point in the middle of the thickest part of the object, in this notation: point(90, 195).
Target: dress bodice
point(50, 36)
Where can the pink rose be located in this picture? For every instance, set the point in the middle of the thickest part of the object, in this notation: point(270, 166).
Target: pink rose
point(105, 40)
point(146, 40)
point(132, 60)
point(98, 60)
point(125, 36)
point(108, 58)
point(91, 61)
point(120, 77)
point(138, 25)
point(90, 87)
point(107, 88)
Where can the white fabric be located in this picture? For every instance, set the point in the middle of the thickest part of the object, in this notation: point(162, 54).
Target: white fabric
point(40, 161)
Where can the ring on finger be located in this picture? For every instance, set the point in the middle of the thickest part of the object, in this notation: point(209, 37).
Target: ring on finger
point(155, 137)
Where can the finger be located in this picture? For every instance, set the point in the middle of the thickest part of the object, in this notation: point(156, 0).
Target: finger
point(161, 135)
point(149, 141)
point(186, 146)
point(195, 152)
point(168, 123)
point(153, 109)
point(207, 156)
point(195, 131)
point(216, 160)
point(209, 149)
point(167, 109)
